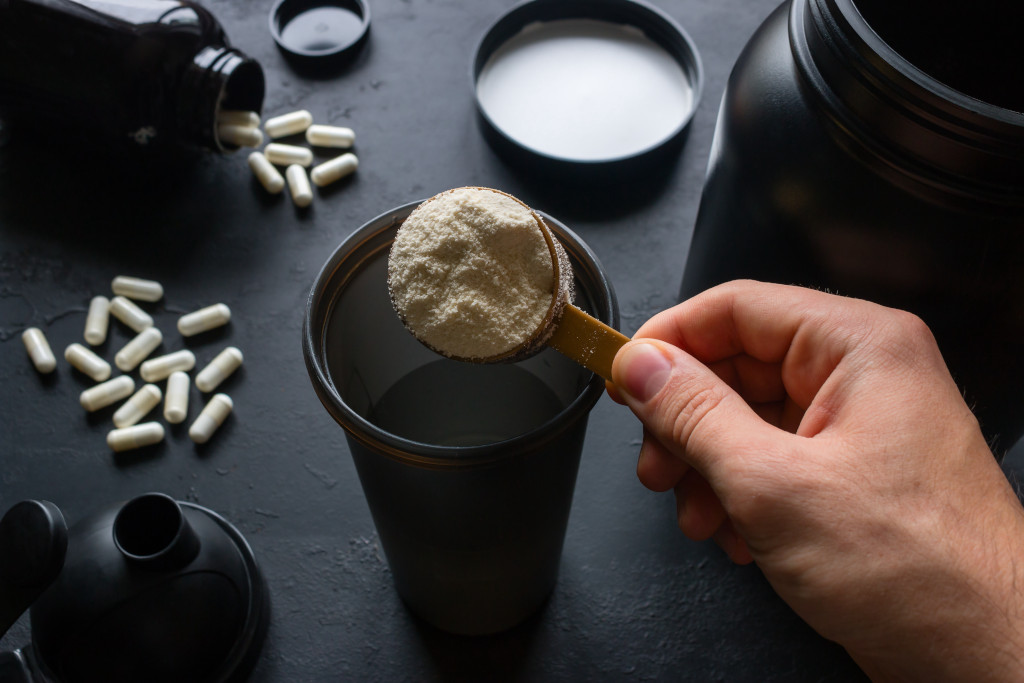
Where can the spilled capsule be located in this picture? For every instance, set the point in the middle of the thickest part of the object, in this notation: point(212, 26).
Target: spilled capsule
point(237, 117)
point(137, 288)
point(39, 350)
point(107, 393)
point(286, 155)
point(288, 124)
point(298, 185)
point(138, 406)
point(176, 400)
point(135, 436)
point(97, 320)
point(219, 369)
point(239, 136)
point(136, 350)
point(211, 418)
point(161, 367)
point(87, 362)
point(128, 312)
point(204, 319)
point(330, 136)
point(333, 170)
point(270, 178)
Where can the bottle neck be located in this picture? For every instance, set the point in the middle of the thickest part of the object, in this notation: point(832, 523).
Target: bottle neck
point(218, 78)
point(895, 115)
point(149, 74)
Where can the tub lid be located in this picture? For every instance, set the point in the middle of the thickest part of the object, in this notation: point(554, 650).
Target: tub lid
point(590, 83)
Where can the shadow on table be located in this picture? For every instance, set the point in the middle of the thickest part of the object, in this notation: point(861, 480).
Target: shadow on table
point(588, 191)
point(714, 637)
point(105, 197)
point(501, 656)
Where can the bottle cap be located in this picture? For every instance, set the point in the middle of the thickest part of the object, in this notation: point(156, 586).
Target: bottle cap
point(319, 34)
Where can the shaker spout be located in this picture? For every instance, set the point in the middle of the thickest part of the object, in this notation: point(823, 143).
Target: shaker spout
point(151, 530)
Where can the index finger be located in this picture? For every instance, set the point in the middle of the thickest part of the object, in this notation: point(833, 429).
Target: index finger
point(804, 331)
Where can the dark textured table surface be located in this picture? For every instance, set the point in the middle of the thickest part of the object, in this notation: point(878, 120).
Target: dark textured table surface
point(635, 600)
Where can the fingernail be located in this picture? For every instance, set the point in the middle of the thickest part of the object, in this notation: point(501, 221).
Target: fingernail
point(644, 370)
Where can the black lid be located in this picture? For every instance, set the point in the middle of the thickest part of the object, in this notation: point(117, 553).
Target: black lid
point(153, 590)
point(319, 34)
point(521, 64)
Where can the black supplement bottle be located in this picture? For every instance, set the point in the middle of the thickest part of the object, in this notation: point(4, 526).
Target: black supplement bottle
point(149, 73)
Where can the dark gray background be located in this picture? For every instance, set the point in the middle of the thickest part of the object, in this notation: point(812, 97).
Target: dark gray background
point(635, 599)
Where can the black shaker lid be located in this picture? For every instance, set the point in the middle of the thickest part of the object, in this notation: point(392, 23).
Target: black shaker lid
point(154, 590)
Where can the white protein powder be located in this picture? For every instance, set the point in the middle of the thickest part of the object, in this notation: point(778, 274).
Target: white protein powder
point(584, 89)
point(471, 274)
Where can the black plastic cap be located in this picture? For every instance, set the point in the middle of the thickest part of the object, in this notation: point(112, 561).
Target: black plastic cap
point(319, 35)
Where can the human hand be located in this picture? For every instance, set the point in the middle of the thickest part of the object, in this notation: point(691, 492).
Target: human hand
point(823, 438)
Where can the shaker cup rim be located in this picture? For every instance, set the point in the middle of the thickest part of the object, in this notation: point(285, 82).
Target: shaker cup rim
point(362, 246)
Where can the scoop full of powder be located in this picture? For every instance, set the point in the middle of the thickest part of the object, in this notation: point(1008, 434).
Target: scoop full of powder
point(473, 274)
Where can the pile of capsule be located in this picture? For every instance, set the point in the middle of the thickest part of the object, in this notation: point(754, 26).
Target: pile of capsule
point(129, 431)
point(242, 128)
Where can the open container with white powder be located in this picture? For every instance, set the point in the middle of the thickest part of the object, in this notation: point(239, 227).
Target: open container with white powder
point(586, 87)
point(468, 469)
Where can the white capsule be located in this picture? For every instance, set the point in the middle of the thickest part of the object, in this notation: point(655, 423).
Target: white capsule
point(111, 391)
point(97, 321)
point(219, 369)
point(39, 350)
point(137, 288)
point(288, 124)
point(214, 413)
point(239, 136)
point(298, 185)
point(330, 136)
point(138, 349)
point(286, 155)
point(204, 319)
point(176, 402)
point(335, 169)
point(236, 117)
point(128, 312)
point(269, 177)
point(87, 362)
point(136, 436)
point(138, 406)
point(161, 367)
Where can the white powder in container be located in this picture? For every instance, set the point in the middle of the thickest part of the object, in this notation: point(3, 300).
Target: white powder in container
point(472, 276)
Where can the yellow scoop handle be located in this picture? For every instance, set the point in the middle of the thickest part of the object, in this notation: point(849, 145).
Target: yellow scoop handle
point(587, 340)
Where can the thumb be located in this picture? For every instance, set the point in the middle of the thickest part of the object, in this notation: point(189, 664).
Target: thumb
point(689, 409)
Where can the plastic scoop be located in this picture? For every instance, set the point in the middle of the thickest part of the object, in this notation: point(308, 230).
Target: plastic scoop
point(564, 327)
